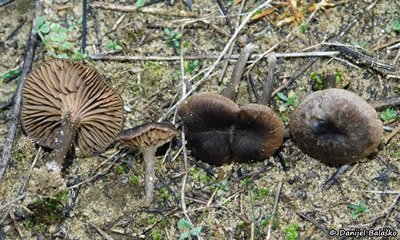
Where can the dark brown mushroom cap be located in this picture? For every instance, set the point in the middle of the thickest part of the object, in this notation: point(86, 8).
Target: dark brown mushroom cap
point(336, 126)
point(207, 111)
point(258, 133)
point(60, 88)
point(208, 119)
point(219, 132)
point(147, 135)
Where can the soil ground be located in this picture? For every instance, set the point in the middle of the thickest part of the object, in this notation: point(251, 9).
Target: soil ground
point(236, 201)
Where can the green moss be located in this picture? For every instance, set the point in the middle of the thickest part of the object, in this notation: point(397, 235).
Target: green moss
point(152, 73)
point(164, 194)
point(134, 180)
point(155, 234)
point(47, 210)
point(291, 231)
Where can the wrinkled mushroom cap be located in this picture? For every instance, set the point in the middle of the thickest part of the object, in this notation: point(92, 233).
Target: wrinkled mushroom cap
point(60, 88)
point(219, 132)
point(336, 126)
point(148, 135)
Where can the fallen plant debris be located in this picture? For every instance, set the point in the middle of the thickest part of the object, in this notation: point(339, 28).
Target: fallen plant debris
point(157, 55)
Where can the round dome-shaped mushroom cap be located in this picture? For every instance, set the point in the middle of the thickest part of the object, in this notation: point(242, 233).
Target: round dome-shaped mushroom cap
point(219, 132)
point(208, 119)
point(336, 126)
point(258, 133)
point(61, 89)
point(208, 111)
point(148, 134)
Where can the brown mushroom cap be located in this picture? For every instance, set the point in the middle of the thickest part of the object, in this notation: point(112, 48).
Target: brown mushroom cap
point(148, 134)
point(148, 137)
point(208, 119)
point(219, 132)
point(258, 133)
point(64, 90)
point(336, 126)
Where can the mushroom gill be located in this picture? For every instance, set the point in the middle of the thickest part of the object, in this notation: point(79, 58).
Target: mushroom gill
point(66, 103)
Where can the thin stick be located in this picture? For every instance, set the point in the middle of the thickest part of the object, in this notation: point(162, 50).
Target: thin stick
point(3, 3)
point(231, 90)
point(185, 161)
point(364, 60)
point(233, 57)
point(117, 23)
point(269, 84)
point(12, 202)
point(194, 87)
point(390, 210)
point(385, 103)
point(212, 67)
point(390, 135)
point(154, 11)
point(335, 177)
point(277, 194)
point(324, 48)
point(313, 222)
point(21, 191)
point(287, 36)
point(84, 25)
point(12, 127)
point(113, 159)
point(378, 192)
point(101, 232)
point(222, 8)
point(223, 71)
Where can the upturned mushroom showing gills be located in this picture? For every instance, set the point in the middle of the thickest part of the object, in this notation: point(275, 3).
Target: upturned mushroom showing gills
point(336, 126)
point(219, 132)
point(67, 104)
point(147, 138)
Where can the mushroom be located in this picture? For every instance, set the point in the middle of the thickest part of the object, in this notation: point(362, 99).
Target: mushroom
point(258, 133)
point(336, 126)
point(208, 119)
point(219, 132)
point(147, 138)
point(65, 104)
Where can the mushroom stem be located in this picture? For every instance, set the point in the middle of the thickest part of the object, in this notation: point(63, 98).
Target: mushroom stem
point(149, 161)
point(62, 144)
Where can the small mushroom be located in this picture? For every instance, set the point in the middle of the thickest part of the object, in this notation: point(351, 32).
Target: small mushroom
point(208, 119)
point(258, 133)
point(147, 138)
point(336, 126)
point(66, 104)
point(219, 132)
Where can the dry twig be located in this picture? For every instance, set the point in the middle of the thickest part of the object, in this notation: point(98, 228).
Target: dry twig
point(12, 127)
point(154, 11)
point(313, 222)
point(385, 103)
point(324, 48)
point(101, 232)
point(390, 210)
point(277, 194)
point(269, 84)
point(364, 60)
point(231, 90)
point(215, 64)
point(223, 71)
point(335, 176)
point(233, 57)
